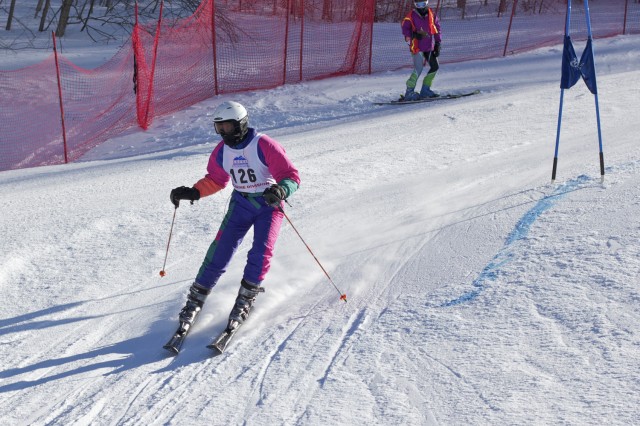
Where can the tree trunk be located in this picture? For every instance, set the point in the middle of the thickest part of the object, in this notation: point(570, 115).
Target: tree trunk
point(65, 10)
point(502, 8)
point(43, 19)
point(327, 10)
point(462, 4)
point(88, 16)
point(38, 8)
point(10, 18)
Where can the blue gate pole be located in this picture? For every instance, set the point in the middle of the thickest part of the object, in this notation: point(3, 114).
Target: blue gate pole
point(590, 39)
point(555, 155)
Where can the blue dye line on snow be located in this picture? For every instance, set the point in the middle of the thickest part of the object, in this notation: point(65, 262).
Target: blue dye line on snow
point(520, 231)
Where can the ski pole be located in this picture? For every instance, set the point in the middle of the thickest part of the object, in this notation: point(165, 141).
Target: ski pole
point(343, 296)
point(162, 272)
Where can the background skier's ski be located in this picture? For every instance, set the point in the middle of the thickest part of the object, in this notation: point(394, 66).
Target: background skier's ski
point(437, 98)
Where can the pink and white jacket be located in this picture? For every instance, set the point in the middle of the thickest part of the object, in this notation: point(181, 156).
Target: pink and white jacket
point(252, 166)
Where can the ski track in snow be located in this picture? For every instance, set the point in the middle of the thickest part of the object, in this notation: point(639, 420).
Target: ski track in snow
point(521, 230)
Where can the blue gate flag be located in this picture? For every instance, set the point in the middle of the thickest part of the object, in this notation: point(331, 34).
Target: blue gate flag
point(588, 68)
point(570, 65)
point(572, 69)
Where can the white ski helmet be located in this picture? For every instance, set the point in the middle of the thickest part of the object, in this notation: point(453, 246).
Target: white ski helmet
point(235, 113)
point(421, 6)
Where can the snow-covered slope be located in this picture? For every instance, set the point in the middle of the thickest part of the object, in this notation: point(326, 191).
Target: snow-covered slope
point(479, 292)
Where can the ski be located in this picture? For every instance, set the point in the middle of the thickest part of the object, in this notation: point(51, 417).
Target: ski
point(175, 342)
point(221, 342)
point(442, 97)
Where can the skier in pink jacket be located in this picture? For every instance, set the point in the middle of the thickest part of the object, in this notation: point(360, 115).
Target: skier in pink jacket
point(421, 30)
point(262, 177)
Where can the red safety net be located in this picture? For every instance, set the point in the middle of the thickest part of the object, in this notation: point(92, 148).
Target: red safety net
point(230, 46)
point(257, 46)
point(30, 128)
point(99, 103)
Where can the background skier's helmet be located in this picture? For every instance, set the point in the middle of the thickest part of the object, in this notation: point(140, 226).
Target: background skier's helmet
point(234, 113)
point(421, 6)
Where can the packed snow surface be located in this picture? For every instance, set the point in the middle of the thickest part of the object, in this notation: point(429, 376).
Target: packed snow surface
point(479, 292)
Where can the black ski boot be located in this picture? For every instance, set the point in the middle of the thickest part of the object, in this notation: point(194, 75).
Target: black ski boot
point(246, 296)
point(195, 301)
point(188, 314)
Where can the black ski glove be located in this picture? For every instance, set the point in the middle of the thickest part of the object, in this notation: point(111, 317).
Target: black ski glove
point(274, 195)
point(436, 50)
point(184, 193)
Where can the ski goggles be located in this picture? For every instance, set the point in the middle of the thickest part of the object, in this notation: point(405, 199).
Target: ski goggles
point(224, 127)
point(421, 4)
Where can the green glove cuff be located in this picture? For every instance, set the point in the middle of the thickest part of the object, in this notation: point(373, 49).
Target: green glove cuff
point(289, 186)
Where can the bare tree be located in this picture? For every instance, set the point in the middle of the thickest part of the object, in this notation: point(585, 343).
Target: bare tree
point(327, 10)
point(10, 18)
point(38, 8)
point(462, 4)
point(43, 18)
point(88, 16)
point(65, 10)
point(104, 20)
point(502, 7)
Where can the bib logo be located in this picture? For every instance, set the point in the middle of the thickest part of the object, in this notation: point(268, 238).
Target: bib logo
point(240, 162)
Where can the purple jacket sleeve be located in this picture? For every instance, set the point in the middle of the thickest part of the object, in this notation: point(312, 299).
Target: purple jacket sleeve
point(436, 22)
point(406, 27)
